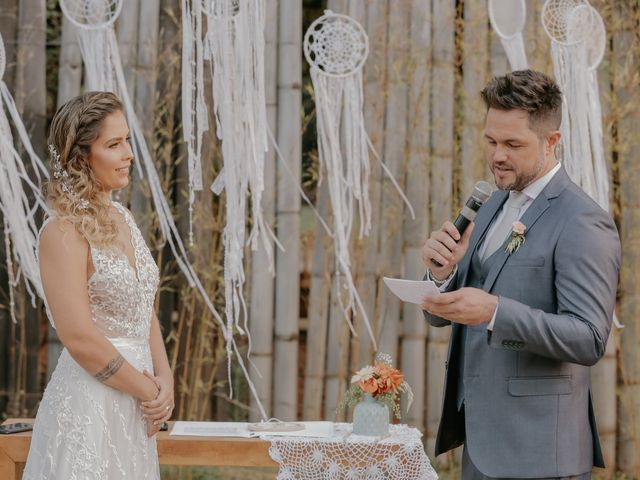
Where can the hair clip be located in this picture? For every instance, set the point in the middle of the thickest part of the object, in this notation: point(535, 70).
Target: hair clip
point(63, 177)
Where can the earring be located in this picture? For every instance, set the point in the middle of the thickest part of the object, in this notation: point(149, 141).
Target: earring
point(63, 177)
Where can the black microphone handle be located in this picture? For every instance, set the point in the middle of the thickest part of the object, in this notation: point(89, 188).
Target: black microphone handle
point(461, 223)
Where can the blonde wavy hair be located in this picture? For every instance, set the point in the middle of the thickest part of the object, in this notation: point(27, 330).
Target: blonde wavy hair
point(74, 128)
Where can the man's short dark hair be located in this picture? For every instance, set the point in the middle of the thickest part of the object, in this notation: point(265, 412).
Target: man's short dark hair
point(528, 90)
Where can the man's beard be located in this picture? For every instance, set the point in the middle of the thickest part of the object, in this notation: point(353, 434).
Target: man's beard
point(522, 181)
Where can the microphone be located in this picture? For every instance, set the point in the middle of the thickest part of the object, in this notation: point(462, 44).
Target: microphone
point(481, 193)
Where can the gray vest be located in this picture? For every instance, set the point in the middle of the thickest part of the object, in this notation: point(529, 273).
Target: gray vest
point(478, 272)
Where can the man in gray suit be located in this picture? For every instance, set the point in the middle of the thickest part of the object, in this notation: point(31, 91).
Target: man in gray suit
point(528, 319)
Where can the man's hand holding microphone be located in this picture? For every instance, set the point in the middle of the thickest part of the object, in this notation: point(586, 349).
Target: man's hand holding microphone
point(442, 251)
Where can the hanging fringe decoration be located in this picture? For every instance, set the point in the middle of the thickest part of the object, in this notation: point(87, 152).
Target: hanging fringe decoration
point(18, 211)
point(507, 18)
point(103, 70)
point(570, 66)
point(194, 107)
point(578, 41)
point(336, 47)
point(235, 46)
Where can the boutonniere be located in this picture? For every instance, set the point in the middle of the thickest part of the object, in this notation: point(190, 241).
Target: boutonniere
point(517, 237)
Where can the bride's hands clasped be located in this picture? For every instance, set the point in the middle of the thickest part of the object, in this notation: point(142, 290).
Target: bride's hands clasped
point(159, 410)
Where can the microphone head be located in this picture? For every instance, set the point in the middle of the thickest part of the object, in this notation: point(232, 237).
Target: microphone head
point(482, 191)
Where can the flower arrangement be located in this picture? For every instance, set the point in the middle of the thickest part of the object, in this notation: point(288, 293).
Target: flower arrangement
point(382, 382)
point(517, 237)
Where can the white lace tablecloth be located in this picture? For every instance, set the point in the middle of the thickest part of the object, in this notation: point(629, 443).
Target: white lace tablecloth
point(400, 456)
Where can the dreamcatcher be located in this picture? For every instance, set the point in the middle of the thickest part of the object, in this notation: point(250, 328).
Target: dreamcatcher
point(569, 23)
point(336, 48)
point(18, 211)
point(578, 43)
point(103, 69)
point(507, 19)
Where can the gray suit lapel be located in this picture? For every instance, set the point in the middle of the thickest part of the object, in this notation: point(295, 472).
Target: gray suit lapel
point(530, 217)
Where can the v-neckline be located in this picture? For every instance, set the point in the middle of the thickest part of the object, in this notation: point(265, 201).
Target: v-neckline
point(135, 265)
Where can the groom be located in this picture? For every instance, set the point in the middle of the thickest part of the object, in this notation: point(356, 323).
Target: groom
point(526, 324)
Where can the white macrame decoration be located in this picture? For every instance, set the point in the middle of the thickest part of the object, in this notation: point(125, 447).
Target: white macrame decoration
point(18, 211)
point(507, 18)
point(578, 41)
point(194, 108)
point(103, 71)
point(569, 23)
point(234, 44)
point(336, 48)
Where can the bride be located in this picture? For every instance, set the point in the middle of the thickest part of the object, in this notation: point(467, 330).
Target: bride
point(102, 408)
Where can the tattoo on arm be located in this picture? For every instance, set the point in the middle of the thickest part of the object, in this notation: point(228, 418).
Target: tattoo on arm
point(112, 367)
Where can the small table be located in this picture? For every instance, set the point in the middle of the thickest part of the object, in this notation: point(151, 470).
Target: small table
point(172, 450)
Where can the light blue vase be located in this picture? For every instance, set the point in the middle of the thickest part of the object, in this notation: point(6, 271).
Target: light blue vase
point(371, 418)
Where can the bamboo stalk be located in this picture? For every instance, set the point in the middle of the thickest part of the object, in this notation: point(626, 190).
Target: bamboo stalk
point(262, 281)
point(366, 255)
point(31, 101)
point(627, 150)
point(604, 375)
point(288, 210)
point(414, 332)
point(322, 267)
point(395, 158)
point(442, 127)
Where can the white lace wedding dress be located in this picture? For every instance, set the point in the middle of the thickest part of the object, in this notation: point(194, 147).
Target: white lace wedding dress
point(85, 429)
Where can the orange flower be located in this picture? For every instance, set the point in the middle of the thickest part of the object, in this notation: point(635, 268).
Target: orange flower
point(389, 379)
point(368, 385)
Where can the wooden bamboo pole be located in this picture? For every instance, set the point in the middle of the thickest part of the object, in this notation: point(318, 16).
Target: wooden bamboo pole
point(8, 22)
point(127, 34)
point(627, 151)
point(70, 66)
point(442, 126)
point(285, 372)
point(604, 375)
point(395, 158)
point(31, 102)
point(366, 253)
point(414, 332)
point(262, 281)
point(145, 78)
point(322, 267)
point(475, 64)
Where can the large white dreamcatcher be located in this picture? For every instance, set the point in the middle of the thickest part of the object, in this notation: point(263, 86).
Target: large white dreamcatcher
point(578, 41)
point(507, 18)
point(569, 23)
point(336, 48)
point(18, 210)
point(103, 70)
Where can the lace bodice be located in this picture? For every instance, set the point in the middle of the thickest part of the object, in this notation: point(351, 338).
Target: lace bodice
point(120, 297)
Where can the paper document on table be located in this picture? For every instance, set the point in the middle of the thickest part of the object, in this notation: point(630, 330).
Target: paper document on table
point(211, 429)
point(241, 429)
point(412, 291)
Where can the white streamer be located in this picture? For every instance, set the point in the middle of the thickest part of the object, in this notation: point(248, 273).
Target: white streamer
point(17, 209)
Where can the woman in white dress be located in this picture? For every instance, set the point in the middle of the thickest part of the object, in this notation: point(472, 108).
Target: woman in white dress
point(103, 406)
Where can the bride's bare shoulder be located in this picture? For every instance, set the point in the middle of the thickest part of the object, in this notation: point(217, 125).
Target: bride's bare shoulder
point(61, 236)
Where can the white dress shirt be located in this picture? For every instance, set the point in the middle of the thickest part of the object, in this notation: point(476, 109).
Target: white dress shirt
point(531, 191)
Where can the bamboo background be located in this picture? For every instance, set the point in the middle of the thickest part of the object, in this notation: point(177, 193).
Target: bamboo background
point(428, 60)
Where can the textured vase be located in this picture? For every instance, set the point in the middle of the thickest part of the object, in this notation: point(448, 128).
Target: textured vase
point(370, 418)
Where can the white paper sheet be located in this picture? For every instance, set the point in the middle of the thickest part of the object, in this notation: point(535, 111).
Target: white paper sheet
point(241, 429)
point(412, 291)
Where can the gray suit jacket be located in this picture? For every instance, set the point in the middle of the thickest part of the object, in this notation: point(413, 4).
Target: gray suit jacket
point(527, 399)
